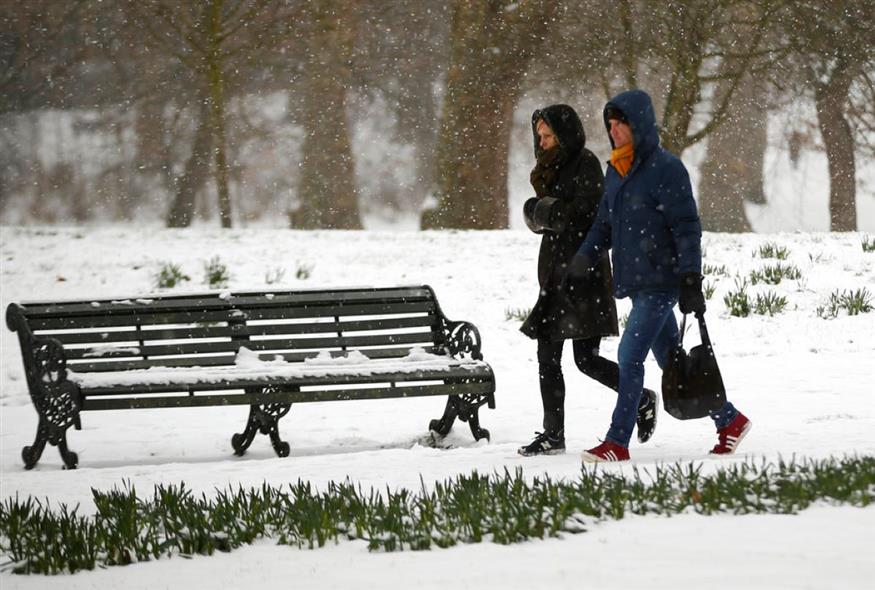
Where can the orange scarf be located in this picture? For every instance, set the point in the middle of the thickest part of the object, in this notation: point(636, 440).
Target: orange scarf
point(621, 158)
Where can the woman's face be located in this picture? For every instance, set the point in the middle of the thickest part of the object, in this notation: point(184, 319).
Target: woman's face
point(547, 139)
point(621, 133)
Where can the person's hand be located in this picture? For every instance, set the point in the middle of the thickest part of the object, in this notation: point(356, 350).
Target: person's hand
point(691, 299)
point(529, 215)
point(576, 276)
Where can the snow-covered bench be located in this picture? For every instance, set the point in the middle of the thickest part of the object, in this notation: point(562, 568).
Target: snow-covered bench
point(264, 350)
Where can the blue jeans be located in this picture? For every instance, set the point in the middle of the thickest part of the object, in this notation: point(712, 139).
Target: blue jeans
point(651, 326)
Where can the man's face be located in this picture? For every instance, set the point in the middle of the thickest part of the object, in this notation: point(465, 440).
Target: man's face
point(547, 139)
point(620, 132)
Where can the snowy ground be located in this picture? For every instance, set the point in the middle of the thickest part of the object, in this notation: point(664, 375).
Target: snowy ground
point(805, 382)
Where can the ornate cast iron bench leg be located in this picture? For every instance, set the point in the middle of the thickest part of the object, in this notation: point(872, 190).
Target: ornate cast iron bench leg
point(32, 453)
point(466, 408)
point(263, 418)
point(444, 424)
point(54, 435)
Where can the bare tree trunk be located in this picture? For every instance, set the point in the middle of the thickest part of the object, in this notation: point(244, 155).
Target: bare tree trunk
point(472, 160)
point(197, 169)
point(830, 98)
point(491, 48)
point(733, 169)
point(629, 57)
point(216, 78)
point(327, 192)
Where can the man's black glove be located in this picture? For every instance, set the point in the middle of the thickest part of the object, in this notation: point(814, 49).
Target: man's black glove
point(691, 298)
point(577, 274)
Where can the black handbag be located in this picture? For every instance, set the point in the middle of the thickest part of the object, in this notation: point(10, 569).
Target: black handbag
point(691, 383)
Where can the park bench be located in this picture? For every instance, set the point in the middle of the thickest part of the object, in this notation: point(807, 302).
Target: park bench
point(265, 350)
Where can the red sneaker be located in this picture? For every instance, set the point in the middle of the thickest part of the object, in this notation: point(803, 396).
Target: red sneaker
point(606, 452)
point(731, 435)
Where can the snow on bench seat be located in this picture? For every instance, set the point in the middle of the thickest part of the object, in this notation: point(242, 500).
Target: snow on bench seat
point(249, 368)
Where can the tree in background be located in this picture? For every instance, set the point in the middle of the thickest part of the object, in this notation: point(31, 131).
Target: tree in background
point(732, 172)
point(695, 57)
point(41, 50)
point(708, 48)
point(215, 40)
point(41, 55)
point(834, 49)
point(401, 57)
point(327, 195)
point(492, 43)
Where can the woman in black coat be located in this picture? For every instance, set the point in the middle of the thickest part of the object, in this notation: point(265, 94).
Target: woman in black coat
point(568, 183)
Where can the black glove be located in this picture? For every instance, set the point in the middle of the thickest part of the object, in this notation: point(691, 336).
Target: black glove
point(529, 215)
point(691, 298)
point(576, 276)
point(549, 214)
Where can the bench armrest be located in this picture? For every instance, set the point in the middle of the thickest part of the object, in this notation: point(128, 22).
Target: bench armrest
point(462, 339)
point(57, 400)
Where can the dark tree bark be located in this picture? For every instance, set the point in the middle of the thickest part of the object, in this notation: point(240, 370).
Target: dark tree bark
point(216, 79)
point(732, 172)
point(492, 44)
point(195, 175)
point(833, 50)
point(831, 98)
point(327, 193)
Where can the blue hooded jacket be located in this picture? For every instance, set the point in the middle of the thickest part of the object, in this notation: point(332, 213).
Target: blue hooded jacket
point(648, 218)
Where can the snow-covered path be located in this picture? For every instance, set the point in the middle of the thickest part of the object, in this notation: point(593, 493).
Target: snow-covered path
point(807, 383)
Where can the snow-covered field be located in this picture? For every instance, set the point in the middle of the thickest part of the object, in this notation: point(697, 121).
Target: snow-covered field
point(806, 382)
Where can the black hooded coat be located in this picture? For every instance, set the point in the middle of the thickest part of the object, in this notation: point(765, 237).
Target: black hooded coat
point(577, 190)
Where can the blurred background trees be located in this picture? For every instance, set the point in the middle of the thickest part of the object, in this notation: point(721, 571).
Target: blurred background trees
point(324, 113)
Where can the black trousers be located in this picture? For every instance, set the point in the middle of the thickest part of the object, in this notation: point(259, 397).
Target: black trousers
point(587, 359)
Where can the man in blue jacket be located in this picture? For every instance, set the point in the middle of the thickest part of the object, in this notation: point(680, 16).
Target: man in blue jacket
point(649, 221)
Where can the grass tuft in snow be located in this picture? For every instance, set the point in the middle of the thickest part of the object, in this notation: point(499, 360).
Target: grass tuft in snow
point(274, 276)
point(769, 303)
point(504, 508)
point(773, 250)
point(708, 289)
point(853, 302)
point(516, 313)
point(713, 269)
point(738, 302)
point(216, 273)
point(303, 271)
point(868, 244)
point(170, 275)
point(772, 275)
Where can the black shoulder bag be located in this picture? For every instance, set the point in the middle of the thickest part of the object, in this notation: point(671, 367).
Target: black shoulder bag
point(691, 383)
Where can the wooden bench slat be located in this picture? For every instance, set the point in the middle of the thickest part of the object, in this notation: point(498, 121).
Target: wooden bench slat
point(386, 376)
point(204, 347)
point(218, 302)
point(477, 388)
point(107, 337)
point(226, 359)
point(233, 315)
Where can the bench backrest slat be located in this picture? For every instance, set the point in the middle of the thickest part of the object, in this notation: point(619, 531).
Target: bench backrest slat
point(206, 329)
point(121, 334)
